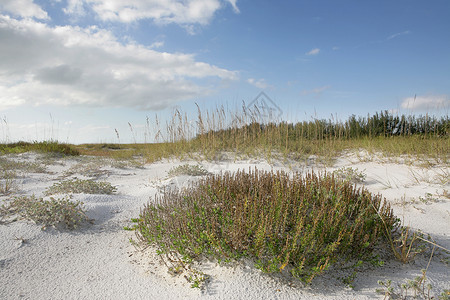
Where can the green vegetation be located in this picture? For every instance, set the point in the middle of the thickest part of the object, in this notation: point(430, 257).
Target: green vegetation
point(81, 186)
point(304, 224)
point(246, 134)
point(350, 174)
point(53, 212)
point(44, 147)
point(7, 182)
point(282, 222)
point(187, 169)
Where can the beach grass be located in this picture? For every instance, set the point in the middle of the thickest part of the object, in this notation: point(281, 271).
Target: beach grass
point(246, 133)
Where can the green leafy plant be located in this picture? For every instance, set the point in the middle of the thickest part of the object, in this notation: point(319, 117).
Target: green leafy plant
point(350, 174)
point(417, 288)
point(52, 212)
point(81, 186)
point(275, 219)
point(186, 169)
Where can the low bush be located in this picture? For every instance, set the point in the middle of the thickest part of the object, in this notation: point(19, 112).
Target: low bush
point(279, 220)
point(51, 212)
point(81, 186)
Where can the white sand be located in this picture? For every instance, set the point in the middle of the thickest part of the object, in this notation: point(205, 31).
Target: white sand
point(98, 262)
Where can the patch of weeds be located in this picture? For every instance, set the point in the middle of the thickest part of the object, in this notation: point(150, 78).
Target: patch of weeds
point(7, 182)
point(186, 169)
point(442, 178)
point(405, 243)
point(197, 279)
point(445, 193)
point(88, 167)
point(418, 288)
point(81, 186)
point(52, 212)
point(428, 198)
point(131, 163)
point(31, 167)
point(350, 174)
point(348, 280)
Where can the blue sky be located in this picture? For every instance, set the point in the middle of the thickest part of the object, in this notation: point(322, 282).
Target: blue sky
point(77, 70)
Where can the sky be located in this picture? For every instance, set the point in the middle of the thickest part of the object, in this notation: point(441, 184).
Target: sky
point(100, 71)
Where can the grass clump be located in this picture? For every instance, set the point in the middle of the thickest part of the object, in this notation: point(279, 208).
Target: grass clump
point(301, 224)
point(81, 186)
point(53, 212)
point(186, 169)
point(7, 182)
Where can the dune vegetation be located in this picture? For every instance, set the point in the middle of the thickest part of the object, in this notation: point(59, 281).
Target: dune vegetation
point(300, 223)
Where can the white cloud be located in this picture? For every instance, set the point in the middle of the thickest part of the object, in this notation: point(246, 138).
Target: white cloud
point(6, 103)
point(316, 91)
point(74, 7)
point(398, 34)
point(182, 12)
point(156, 45)
point(87, 66)
point(261, 83)
point(314, 51)
point(426, 102)
point(235, 8)
point(23, 8)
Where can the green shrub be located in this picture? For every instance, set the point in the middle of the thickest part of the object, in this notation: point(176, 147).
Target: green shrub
point(51, 212)
point(305, 223)
point(81, 186)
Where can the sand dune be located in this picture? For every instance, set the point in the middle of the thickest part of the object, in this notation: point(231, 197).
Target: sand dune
point(97, 261)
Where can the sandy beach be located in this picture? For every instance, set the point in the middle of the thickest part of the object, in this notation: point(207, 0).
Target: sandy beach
point(97, 261)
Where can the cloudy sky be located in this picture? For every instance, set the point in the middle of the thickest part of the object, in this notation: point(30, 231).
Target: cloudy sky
point(78, 70)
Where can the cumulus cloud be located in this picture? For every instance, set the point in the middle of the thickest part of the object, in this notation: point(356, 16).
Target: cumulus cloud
point(314, 51)
point(23, 8)
point(67, 65)
point(261, 83)
point(161, 11)
point(426, 102)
